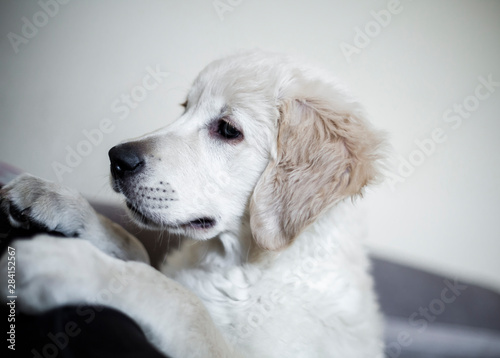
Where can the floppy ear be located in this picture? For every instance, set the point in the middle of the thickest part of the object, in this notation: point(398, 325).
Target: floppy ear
point(326, 152)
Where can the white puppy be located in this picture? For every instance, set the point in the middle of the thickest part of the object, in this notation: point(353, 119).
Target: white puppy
point(257, 174)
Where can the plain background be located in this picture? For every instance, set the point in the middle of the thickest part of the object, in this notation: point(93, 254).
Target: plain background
point(410, 73)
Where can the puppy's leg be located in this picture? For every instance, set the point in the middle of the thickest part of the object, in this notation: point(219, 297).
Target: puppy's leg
point(53, 272)
point(31, 202)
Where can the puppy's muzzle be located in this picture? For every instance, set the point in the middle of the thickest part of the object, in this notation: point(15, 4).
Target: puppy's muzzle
point(127, 160)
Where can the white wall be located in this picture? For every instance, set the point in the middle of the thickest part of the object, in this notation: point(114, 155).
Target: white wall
point(444, 216)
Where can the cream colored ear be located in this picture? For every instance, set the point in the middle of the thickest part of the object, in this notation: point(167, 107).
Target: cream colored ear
point(323, 156)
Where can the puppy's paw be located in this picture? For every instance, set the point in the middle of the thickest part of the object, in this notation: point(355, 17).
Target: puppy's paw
point(33, 203)
point(48, 272)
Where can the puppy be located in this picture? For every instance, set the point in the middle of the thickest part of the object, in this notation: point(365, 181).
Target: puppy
point(257, 175)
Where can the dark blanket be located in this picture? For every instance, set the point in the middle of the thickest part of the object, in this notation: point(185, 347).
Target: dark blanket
point(78, 332)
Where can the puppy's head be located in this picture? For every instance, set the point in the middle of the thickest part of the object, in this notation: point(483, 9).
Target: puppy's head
point(260, 134)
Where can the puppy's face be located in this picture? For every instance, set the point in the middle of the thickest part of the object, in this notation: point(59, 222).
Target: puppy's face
point(259, 132)
point(195, 176)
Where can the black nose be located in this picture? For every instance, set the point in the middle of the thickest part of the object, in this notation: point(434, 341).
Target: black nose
point(126, 159)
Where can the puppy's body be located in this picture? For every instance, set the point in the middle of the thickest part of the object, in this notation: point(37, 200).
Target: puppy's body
point(314, 299)
point(258, 173)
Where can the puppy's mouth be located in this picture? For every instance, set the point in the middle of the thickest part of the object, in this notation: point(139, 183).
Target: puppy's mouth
point(203, 223)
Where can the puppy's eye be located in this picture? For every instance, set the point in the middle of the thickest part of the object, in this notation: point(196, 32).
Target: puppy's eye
point(228, 131)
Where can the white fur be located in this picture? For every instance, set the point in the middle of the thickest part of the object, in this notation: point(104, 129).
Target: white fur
point(242, 288)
